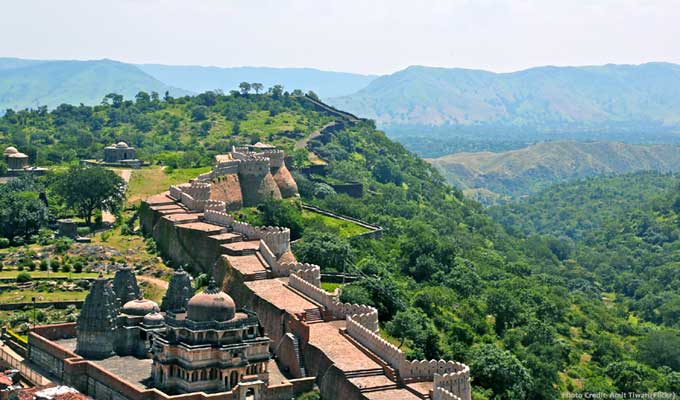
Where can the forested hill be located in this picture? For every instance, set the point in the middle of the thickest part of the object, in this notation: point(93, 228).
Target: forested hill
point(528, 170)
point(35, 83)
point(565, 100)
point(447, 280)
point(199, 79)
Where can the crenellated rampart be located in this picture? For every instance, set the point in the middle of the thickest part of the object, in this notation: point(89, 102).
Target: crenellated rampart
point(452, 376)
point(365, 315)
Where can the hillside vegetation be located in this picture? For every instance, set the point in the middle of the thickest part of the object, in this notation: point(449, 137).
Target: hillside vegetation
point(33, 83)
point(488, 176)
point(199, 79)
point(564, 100)
point(448, 281)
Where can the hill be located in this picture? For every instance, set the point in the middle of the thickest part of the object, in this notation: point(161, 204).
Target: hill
point(448, 281)
point(528, 170)
point(544, 100)
point(33, 83)
point(200, 79)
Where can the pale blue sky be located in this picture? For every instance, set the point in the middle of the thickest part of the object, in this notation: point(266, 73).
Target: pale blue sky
point(355, 36)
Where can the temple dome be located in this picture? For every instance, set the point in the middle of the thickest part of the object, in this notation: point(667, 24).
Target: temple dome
point(153, 318)
point(211, 305)
point(139, 307)
point(122, 145)
point(11, 150)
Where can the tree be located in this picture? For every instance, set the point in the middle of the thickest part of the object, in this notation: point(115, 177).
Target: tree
point(499, 370)
point(87, 189)
point(660, 348)
point(411, 323)
point(245, 88)
point(276, 91)
point(329, 251)
point(257, 87)
point(22, 214)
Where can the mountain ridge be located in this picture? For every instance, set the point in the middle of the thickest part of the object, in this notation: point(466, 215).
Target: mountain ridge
point(546, 99)
point(515, 173)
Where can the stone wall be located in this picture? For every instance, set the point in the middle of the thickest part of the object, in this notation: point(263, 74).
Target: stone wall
point(277, 239)
point(450, 375)
point(365, 315)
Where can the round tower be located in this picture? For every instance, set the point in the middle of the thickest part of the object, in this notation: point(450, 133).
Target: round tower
point(257, 182)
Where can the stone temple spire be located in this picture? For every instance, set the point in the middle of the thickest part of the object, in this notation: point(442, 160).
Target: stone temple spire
point(97, 321)
point(179, 292)
point(125, 285)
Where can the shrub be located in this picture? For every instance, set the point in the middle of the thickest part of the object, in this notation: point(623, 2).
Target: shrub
point(20, 267)
point(4, 243)
point(106, 236)
point(62, 245)
point(78, 267)
point(83, 231)
point(43, 265)
point(23, 277)
point(2, 266)
point(31, 266)
point(55, 265)
point(40, 316)
point(65, 268)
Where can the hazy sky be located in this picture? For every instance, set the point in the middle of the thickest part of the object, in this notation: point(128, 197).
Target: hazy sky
point(357, 36)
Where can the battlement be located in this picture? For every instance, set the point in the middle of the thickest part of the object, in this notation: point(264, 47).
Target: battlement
point(365, 315)
point(254, 165)
point(451, 376)
point(275, 156)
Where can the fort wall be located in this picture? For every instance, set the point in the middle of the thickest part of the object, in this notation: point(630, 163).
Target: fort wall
point(365, 315)
point(450, 375)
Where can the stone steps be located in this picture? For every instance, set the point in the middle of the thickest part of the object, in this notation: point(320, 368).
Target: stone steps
point(379, 388)
point(313, 315)
point(364, 373)
point(261, 275)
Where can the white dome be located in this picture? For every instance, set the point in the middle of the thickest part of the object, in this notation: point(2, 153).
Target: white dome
point(122, 145)
point(11, 150)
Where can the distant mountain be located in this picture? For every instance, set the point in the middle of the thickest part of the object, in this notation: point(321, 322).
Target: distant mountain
point(609, 98)
point(200, 79)
point(490, 176)
point(34, 83)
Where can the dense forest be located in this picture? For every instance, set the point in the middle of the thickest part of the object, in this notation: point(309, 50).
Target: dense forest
point(448, 281)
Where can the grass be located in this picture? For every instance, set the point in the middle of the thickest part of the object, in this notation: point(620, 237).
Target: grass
point(147, 182)
point(330, 286)
point(341, 227)
point(45, 274)
point(24, 296)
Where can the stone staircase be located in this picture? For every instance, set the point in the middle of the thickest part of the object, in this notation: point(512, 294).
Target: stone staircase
point(298, 355)
point(361, 373)
point(313, 315)
point(260, 275)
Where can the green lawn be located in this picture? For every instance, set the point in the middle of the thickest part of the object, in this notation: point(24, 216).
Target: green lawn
point(24, 296)
point(146, 182)
point(45, 274)
point(341, 227)
point(330, 286)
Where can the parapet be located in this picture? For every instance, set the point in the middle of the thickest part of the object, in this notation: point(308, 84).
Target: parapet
point(451, 376)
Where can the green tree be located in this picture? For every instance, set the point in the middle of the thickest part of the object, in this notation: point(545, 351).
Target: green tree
point(329, 251)
point(257, 87)
point(660, 348)
point(245, 88)
point(499, 370)
point(87, 189)
point(22, 214)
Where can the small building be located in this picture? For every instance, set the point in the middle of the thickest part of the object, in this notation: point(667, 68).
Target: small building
point(15, 160)
point(119, 152)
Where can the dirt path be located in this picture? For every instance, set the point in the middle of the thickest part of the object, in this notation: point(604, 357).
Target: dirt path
point(154, 281)
point(302, 143)
point(107, 217)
